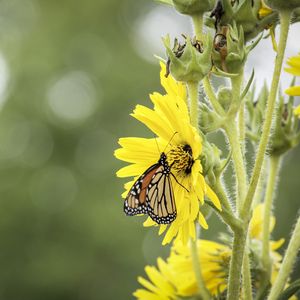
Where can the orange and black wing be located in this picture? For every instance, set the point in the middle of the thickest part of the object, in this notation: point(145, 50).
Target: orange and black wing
point(160, 197)
point(135, 202)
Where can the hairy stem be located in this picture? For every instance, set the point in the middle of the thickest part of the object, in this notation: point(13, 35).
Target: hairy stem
point(242, 127)
point(238, 161)
point(236, 136)
point(198, 26)
point(193, 96)
point(202, 290)
point(236, 262)
point(212, 97)
point(247, 283)
point(285, 17)
point(287, 264)
point(266, 259)
point(226, 214)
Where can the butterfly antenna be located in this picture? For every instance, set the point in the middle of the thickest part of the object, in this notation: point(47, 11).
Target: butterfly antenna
point(170, 141)
point(155, 138)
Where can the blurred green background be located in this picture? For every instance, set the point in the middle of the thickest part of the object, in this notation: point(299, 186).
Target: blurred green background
point(70, 74)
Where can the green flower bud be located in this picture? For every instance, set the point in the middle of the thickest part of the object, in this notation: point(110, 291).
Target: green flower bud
point(190, 61)
point(286, 133)
point(210, 121)
point(224, 97)
point(213, 165)
point(255, 113)
point(244, 13)
point(283, 4)
point(229, 53)
point(193, 7)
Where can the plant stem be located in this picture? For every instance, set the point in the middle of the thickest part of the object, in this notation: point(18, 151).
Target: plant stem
point(247, 283)
point(236, 84)
point(285, 17)
point(202, 290)
point(259, 193)
point(266, 259)
point(236, 139)
point(212, 97)
point(287, 264)
point(193, 96)
point(194, 115)
point(236, 263)
point(242, 127)
point(198, 26)
point(226, 214)
point(238, 161)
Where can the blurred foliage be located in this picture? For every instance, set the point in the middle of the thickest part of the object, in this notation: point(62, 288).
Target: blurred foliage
point(69, 77)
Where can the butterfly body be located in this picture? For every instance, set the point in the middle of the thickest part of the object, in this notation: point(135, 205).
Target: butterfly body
point(152, 194)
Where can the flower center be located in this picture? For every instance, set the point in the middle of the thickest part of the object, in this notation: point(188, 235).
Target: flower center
point(181, 159)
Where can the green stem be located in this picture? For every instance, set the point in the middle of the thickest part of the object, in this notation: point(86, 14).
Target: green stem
point(236, 85)
point(236, 262)
point(247, 284)
point(287, 264)
point(202, 290)
point(226, 214)
point(242, 127)
point(198, 26)
point(266, 258)
point(258, 196)
point(194, 115)
point(193, 96)
point(238, 161)
point(285, 17)
point(212, 97)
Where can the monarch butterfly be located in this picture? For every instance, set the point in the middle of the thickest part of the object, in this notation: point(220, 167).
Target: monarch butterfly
point(152, 194)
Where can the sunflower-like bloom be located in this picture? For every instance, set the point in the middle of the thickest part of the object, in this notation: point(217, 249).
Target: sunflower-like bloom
point(175, 277)
point(294, 69)
point(169, 120)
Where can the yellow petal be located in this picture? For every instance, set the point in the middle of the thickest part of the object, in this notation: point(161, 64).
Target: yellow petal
point(148, 285)
point(171, 86)
point(202, 221)
point(159, 281)
point(297, 111)
point(294, 65)
point(145, 295)
point(162, 229)
point(149, 222)
point(276, 244)
point(132, 170)
point(153, 121)
point(171, 233)
point(293, 91)
point(213, 197)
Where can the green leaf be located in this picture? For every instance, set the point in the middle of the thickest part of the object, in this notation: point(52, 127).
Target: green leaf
point(246, 89)
point(291, 290)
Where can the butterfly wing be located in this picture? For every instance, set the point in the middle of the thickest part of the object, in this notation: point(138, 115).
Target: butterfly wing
point(135, 202)
point(160, 197)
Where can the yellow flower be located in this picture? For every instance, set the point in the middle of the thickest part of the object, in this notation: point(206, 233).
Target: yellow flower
point(170, 121)
point(175, 277)
point(214, 260)
point(294, 69)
